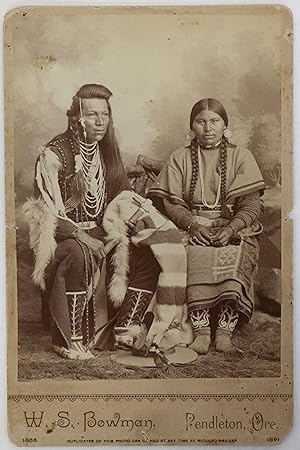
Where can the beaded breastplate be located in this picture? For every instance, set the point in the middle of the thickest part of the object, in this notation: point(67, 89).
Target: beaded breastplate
point(92, 203)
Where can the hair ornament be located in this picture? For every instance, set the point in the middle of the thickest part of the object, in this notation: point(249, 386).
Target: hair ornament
point(82, 120)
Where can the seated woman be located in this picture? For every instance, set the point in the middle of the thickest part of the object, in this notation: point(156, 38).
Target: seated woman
point(77, 174)
point(211, 189)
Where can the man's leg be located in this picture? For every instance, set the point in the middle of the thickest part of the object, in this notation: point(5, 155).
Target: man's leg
point(143, 277)
point(74, 266)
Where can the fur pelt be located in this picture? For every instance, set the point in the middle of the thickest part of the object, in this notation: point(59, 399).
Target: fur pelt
point(121, 209)
point(42, 224)
point(41, 213)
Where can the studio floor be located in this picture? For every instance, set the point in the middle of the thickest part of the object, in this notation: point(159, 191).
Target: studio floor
point(257, 354)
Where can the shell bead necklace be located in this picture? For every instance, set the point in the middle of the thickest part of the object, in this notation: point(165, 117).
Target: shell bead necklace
point(209, 206)
point(94, 177)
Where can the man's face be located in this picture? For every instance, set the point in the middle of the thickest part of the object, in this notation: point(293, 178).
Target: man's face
point(96, 118)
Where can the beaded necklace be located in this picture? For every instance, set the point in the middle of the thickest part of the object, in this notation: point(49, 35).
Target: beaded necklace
point(209, 206)
point(94, 176)
point(195, 173)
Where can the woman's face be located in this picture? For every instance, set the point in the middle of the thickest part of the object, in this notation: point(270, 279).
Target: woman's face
point(96, 118)
point(208, 127)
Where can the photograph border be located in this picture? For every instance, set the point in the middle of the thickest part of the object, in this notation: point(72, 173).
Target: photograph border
point(17, 389)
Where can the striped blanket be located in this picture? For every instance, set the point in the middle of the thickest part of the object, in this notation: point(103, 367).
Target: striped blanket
point(165, 242)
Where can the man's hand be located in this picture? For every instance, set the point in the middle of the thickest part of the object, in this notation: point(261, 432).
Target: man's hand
point(199, 235)
point(141, 224)
point(94, 244)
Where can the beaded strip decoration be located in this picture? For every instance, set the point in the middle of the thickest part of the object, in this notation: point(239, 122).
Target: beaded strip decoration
point(228, 317)
point(200, 319)
point(89, 161)
point(90, 342)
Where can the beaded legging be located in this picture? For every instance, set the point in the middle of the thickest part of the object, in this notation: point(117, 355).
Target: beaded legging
point(73, 273)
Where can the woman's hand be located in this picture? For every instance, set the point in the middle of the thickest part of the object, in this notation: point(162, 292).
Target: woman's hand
point(199, 235)
point(223, 237)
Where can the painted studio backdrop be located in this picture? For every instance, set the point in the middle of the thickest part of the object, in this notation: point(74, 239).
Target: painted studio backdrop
point(157, 67)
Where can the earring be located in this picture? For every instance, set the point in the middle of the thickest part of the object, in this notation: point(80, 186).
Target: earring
point(227, 133)
point(191, 135)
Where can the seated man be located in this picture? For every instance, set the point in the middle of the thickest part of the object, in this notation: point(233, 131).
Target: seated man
point(77, 174)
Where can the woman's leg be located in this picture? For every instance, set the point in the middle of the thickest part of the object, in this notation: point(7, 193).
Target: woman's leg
point(227, 321)
point(200, 321)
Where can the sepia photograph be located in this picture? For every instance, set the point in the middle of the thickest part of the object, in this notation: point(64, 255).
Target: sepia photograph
point(148, 189)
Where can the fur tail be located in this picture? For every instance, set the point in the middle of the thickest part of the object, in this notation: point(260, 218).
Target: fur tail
point(119, 281)
point(42, 225)
point(117, 230)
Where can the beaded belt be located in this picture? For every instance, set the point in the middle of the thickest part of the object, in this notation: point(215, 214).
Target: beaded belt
point(198, 208)
point(87, 225)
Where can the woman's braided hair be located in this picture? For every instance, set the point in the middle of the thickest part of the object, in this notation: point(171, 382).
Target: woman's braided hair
point(195, 169)
point(223, 163)
point(216, 106)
